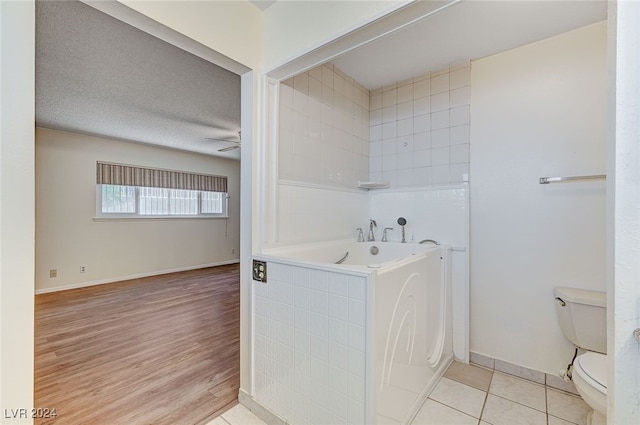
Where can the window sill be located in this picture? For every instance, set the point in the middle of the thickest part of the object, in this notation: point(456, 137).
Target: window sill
point(162, 217)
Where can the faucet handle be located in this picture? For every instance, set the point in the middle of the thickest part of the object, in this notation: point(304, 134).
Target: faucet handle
point(360, 234)
point(384, 234)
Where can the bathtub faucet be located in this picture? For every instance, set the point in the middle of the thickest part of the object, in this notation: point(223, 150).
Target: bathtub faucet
point(384, 234)
point(360, 235)
point(372, 224)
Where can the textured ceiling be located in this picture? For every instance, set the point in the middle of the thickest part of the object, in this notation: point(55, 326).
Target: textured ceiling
point(97, 75)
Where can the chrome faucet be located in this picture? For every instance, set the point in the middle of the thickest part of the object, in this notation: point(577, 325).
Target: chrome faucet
point(384, 234)
point(372, 224)
point(360, 235)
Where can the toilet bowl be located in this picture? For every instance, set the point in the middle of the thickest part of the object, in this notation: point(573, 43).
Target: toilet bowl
point(590, 379)
point(582, 318)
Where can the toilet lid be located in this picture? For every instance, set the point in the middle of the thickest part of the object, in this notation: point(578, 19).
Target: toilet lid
point(592, 367)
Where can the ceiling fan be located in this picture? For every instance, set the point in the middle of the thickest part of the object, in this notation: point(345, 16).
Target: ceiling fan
point(235, 143)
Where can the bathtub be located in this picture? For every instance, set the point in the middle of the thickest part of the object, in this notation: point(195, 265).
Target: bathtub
point(363, 341)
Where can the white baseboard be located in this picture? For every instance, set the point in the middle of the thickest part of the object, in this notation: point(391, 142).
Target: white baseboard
point(133, 276)
point(266, 415)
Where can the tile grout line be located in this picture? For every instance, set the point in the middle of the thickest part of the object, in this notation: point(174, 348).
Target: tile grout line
point(452, 408)
point(486, 397)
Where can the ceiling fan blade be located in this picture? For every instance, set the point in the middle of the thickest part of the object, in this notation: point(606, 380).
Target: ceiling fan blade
point(229, 148)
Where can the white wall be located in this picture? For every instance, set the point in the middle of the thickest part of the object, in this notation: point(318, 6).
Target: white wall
point(624, 223)
point(539, 110)
point(420, 130)
point(67, 236)
point(17, 224)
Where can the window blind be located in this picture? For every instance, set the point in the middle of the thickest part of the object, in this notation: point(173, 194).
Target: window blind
point(130, 175)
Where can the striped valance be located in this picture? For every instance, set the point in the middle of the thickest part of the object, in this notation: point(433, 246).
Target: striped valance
point(130, 175)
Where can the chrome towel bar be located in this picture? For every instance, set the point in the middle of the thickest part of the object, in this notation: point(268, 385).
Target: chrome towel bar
point(547, 180)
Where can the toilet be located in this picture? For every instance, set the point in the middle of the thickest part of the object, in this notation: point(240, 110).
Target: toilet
point(583, 321)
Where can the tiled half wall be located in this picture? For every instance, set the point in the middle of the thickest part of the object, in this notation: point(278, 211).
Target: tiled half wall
point(324, 128)
point(310, 345)
point(333, 131)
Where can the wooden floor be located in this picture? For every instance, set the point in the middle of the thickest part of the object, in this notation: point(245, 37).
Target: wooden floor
point(157, 350)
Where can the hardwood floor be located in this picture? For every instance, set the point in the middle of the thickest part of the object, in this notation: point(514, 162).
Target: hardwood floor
point(156, 350)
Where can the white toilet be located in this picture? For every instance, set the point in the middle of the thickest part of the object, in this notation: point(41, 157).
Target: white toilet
point(583, 320)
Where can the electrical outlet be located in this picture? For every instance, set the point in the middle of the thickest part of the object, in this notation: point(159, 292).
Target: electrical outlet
point(53, 273)
point(260, 271)
point(83, 269)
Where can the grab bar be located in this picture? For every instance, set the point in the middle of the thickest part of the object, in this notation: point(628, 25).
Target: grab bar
point(547, 180)
point(429, 241)
point(340, 261)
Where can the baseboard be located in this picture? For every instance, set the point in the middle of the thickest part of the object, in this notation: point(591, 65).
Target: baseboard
point(133, 276)
point(267, 416)
point(536, 376)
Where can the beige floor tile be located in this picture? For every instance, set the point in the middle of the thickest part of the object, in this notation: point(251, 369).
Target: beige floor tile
point(552, 420)
point(499, 411)
point(474, 376)
point(434, 413)
point(217, 421)
point(459, 396)
point(566, 406)
point(519, 390)
point(240, 415)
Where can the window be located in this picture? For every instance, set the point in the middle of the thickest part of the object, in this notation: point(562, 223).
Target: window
point(168, 193)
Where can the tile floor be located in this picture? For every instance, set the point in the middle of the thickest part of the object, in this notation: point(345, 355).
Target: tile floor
point(473, 395)
point(469, 394)
point(237, 415)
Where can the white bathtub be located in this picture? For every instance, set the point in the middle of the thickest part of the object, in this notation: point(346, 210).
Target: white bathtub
point(360, 342)
point(360, 253)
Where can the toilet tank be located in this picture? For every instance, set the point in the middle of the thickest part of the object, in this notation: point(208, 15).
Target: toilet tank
point(583, 317)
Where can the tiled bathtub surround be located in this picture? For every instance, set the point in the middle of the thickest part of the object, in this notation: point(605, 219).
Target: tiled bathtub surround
point(324, 128)
point(309, 345)
point(419, 129)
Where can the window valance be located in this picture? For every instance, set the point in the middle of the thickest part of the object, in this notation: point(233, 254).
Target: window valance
point(130, 175)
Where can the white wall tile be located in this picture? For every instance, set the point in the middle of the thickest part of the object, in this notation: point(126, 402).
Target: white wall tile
point(460, 78)
point(440, 138)
point(421, 89)
point(405, 93)
point(460, 116)
point(422, 141)
point(460, 97)
point(440, 120)
point(421, 123)
point(422, 106)
point(375, 101)
point(440, 101)
point(389, 130)
point(459, 134)
point(390, 114)
point(405, 110)
point(459, 153)
point(389, 97)
point(440, 83)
